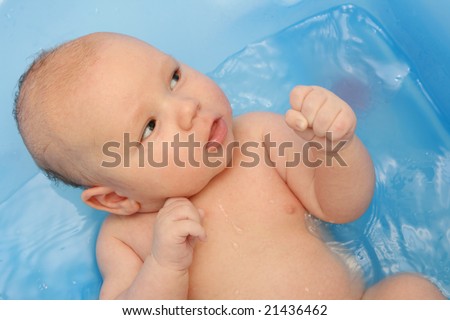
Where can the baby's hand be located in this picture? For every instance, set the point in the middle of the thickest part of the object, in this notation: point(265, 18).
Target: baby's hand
point(316, 111)
point(177, 227)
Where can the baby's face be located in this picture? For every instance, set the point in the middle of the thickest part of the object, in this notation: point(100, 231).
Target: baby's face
point(135, 93)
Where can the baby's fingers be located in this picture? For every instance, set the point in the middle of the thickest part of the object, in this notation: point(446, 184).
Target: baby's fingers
point(181, 209)
point(296, 120)
point(188, 229)
point(344, 125)
point(308, 100)
point(298, 95)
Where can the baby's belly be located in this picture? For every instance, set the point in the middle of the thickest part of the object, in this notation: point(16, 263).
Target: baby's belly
point(267, 256)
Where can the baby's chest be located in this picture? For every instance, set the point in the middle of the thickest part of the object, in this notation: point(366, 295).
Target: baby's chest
point(250, 225)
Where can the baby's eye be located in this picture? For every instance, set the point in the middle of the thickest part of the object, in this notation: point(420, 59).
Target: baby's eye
point(175, 77)
point(148, 129)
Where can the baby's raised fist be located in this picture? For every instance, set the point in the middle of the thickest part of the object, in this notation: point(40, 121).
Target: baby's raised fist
point(316, 111)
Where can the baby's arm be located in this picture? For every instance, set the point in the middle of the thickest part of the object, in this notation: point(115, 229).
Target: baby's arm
point(164, 272)
point(340, 191)
point(332, 192)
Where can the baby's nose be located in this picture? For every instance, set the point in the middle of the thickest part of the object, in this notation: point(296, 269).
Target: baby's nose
point(187, 109)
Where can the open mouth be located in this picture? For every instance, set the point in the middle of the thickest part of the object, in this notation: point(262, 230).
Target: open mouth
point(218, 133)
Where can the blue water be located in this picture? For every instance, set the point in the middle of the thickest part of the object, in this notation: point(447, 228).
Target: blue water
point(47, 236)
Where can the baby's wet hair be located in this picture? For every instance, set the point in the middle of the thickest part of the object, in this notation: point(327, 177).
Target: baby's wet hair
point(35, 109)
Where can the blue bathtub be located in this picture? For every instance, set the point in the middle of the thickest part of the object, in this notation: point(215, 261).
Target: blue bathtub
point(47, 235)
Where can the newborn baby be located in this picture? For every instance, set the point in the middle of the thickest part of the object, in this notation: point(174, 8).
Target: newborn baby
point(203, 206)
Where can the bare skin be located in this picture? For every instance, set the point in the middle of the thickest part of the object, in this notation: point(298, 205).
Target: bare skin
point(257, 246)
point(225, 231)
point(404, 287)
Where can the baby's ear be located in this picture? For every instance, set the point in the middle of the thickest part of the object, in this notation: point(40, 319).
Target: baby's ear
point(106, 199)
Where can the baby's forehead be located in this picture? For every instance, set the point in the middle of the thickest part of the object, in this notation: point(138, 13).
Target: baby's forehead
point(105, 42)
point(110, 84)
point(95, 47)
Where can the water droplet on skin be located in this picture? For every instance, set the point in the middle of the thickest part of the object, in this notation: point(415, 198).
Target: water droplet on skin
point(223, 211)
point(238, 229)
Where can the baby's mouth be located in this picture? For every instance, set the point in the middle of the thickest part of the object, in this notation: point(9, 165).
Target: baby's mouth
point(217, 135)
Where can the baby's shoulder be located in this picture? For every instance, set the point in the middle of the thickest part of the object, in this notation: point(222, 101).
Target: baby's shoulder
point(256, 124)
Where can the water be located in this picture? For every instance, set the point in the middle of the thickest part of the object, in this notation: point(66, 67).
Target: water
point(407, 227)
point(47, 240)
point(47, 249)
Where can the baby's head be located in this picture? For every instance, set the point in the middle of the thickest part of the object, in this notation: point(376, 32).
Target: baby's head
point(42, 102)
point(125, 121)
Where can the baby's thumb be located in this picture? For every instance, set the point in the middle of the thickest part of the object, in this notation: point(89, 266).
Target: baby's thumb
point(296, 120)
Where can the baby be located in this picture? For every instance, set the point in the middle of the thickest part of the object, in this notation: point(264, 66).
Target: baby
point(203, 206)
